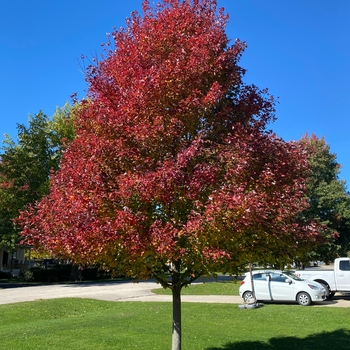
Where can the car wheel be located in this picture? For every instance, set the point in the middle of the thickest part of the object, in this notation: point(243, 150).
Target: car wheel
point(331, 295)
point(303, 299)
point(248, 297)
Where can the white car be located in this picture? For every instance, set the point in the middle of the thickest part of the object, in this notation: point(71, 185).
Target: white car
point(282, 286)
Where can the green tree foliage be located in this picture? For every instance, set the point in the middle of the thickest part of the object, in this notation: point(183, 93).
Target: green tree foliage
point(328, 198)
point(26, 165)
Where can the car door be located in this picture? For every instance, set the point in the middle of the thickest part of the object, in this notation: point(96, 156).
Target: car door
point(279, 288)
point(261, 286)
point(343, 275)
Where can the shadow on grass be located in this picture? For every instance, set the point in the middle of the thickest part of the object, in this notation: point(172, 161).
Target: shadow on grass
point(339, 339)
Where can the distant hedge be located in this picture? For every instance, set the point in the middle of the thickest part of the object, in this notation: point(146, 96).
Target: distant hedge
point(63, 273)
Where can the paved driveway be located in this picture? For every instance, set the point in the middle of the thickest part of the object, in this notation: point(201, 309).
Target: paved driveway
point(112, 291)
point(119, 291)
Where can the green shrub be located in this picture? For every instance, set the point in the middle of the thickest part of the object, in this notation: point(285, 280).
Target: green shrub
point(59, 273)
point(94, 273)
point(26, 275)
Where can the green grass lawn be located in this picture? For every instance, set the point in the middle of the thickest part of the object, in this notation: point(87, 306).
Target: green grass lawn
point(212, 288)
point(92, 324)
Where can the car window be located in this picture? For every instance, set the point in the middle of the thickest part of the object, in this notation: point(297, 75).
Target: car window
point(278, 277)
point(344, 265)
point(259, 277)
point(292, 276)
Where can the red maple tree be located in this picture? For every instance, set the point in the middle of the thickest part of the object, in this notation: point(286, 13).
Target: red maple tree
point(173, 171)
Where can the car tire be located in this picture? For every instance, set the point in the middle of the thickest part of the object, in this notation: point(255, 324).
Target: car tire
point(248, 297)
point(303, 299)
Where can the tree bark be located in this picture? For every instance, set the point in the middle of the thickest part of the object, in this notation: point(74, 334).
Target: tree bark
point(176, 335)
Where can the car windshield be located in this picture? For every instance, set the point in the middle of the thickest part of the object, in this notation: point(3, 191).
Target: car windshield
point(292, 276)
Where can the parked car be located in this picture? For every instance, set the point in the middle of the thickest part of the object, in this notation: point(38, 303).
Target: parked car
point(280, 286)
point(334, 280)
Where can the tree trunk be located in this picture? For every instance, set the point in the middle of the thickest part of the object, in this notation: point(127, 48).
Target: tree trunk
point(176, 337)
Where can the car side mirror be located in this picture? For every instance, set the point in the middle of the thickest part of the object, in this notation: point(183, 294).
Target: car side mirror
point(288, 281)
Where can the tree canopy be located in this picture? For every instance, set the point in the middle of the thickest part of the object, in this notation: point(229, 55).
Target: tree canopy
point(173, 173)
point(26, 165)
point(328, 198)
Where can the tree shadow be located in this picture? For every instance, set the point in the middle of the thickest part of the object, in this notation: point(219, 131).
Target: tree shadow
point(339, 339)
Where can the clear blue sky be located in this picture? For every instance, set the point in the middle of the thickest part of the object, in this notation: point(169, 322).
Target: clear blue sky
point(298, 49)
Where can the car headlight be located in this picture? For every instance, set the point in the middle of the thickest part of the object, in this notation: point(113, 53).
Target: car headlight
point(312, 286)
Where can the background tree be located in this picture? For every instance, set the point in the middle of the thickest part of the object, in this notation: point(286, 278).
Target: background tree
point(173, 174)
point(26, 165)
point(328, 198)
